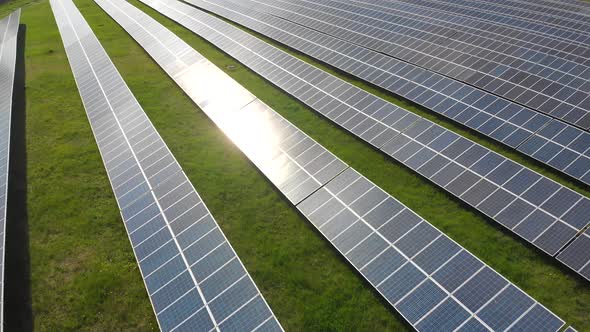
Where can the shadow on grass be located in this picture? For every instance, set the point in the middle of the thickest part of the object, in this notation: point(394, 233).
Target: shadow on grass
point(18, 313)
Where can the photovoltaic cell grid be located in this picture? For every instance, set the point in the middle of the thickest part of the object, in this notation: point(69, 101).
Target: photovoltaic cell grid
point(560, 92)
point(567, 25)
point(423, 299)
point(577, 255)
point(540, 80)
point(194, 278)
point(294, 163)
point(476, 32)
point(418, 11)
point(575, 6)
point(8, 40)
point(561, 32)
point(434, 283)
point(541, 211)
point(411, 13)
point(546, 45)
point(574, 11)
point(567, 150)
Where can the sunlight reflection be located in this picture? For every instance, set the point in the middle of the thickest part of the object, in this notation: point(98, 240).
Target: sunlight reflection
point(247, 121)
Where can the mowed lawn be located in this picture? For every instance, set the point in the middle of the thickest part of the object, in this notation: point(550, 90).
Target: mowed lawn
point(83, 272)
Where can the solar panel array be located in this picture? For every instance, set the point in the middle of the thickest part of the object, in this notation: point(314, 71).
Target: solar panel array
point(8, 43)
point(411, 263)
point(294, 163)
point(433, 283)
point(577, 255)
point(577, 6)
point(541, 27)
point(567, 149)
point(571, 10)
point(554, 87)
point(544, 213)
point(526, 15)
point(414, 12)
point(468, 26)
point(193, 276)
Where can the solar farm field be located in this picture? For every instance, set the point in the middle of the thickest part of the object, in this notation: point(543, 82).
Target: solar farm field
point(81, 272)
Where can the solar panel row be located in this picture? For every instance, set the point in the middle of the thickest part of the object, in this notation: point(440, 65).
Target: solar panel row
point(295, 163)
point(408, 260)
point(559, 8)
point(466, 48)
point(433, 283)
point(577, 255)
point(578, 3)
point(536, 208)
point(194, 278)
point(471, 30)
point(466, 26)
point(532, 26)
point(567, 149)
point(8, 42)
point(556, 19)
point(561, 93)
point(577, 6)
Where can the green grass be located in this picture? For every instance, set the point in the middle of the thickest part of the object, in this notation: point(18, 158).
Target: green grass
point(84, 275)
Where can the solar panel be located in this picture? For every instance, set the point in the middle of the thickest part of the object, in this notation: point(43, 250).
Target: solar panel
point(434, 283)
point(498, 119)
point(465, 25)
point(535, 26)
point(8, 41)
point(193, 276)
point(404, 257)
point(294, 162)
point(560, 9)
point(525, 79)
point(541, 211)
point(527, 52)
point(573, 6)
point(570, 329)
point(577, 255)
point(552, 21)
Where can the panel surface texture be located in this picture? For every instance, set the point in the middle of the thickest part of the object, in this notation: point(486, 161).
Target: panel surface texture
point(541, 211)
point(549, 85)
point(577, 255)
point(552, 142)
point(410, 262)
point(193, 277)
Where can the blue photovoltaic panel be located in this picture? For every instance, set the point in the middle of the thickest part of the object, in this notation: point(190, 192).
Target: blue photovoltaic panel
point(566, 6)
point(501, 120)
point(400, 254)
point(434, 283)
point(560, 92)
point(560, 32)
point(465, 25)
point(8, 41)
point(528, 16)
point(292, 161)
point(194, 278)
point(577, 255)
point(539, 210)
point(547, 12)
